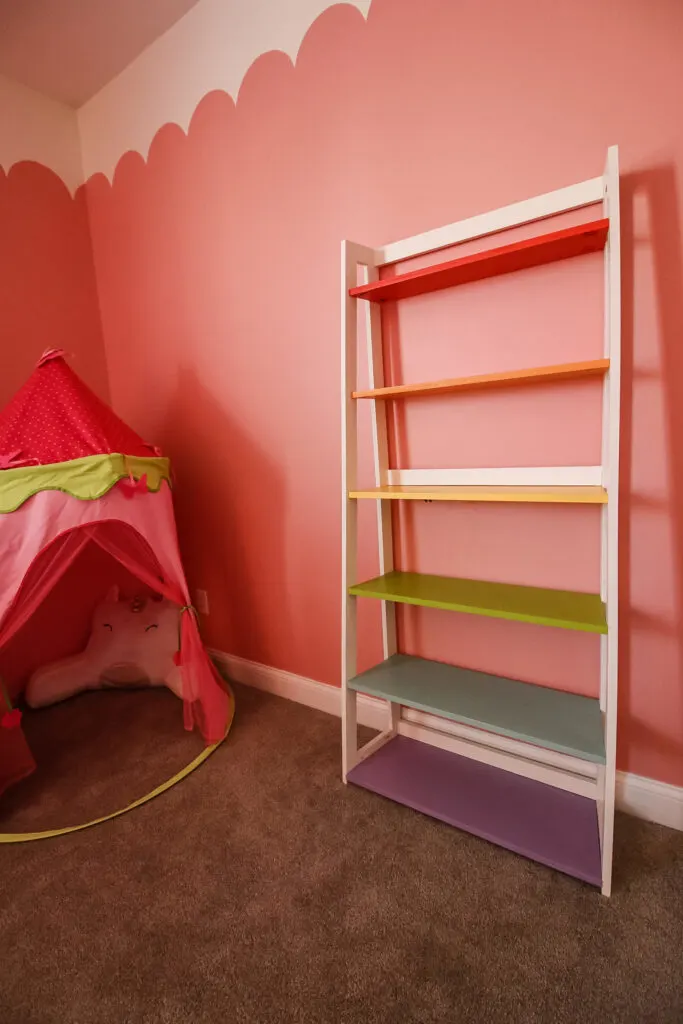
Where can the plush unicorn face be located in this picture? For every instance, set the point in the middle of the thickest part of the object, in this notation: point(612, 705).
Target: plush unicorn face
point(131, 640)
point(132, 643)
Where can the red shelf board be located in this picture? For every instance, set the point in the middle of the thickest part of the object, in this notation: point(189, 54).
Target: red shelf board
point(531, 252)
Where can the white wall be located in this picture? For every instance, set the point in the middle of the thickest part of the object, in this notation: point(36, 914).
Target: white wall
point(33, 127)
point(211, 47)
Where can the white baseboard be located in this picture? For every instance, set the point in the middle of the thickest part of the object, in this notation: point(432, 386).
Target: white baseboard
point(636, 795)
point(650, 799)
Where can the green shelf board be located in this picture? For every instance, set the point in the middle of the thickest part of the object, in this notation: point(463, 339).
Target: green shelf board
point(564, 608)
point(566, 722)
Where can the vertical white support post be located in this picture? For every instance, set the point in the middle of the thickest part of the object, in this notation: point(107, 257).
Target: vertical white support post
point(604, 517)
point(610, 526)
point(349, 366)
point(380, 441)
point(351, 256)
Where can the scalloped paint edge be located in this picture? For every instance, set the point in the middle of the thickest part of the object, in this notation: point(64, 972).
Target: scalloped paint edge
point(11, 173)
point(184, 124)
point(147, 68)
point(38, 129)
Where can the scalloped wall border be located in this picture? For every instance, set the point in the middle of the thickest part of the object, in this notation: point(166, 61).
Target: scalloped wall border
point(211, 48)
point(40, 130)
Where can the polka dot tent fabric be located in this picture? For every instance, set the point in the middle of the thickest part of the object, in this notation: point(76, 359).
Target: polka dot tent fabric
point(55, 417)
point(48, 431)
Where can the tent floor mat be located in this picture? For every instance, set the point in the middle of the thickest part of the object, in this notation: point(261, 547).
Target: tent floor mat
point(97, 754)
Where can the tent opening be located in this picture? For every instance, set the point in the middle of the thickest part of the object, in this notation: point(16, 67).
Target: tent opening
point(51, 615)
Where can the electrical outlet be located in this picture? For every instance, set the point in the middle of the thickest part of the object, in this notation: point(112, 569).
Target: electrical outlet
point(201, 602)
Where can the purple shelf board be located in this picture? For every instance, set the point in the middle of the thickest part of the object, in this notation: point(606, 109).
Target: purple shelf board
point(540, 822)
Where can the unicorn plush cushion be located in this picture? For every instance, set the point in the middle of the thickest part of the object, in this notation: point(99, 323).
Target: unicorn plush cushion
point(132, 643)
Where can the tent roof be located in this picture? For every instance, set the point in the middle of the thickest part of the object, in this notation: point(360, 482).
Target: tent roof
point(55, 417)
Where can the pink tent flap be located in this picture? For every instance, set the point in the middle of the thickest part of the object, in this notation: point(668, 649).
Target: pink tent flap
point(138, 532)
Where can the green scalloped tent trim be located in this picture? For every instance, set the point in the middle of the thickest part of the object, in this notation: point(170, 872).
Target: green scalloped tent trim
point(88, 478)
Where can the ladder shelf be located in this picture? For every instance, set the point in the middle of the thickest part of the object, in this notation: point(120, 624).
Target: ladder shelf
point(523, 765)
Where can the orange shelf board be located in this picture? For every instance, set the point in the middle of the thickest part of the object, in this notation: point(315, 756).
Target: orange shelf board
point(556, 494)
point(509, 378)
point(531, 252)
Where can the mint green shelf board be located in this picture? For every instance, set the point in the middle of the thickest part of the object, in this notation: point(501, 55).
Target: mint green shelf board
point(535, 714)
point(564, 608)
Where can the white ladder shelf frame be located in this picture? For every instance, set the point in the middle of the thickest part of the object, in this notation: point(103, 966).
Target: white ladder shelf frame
point(563, 771)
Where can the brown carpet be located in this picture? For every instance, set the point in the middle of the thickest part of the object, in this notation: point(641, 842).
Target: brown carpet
point(95, 754)
point(262, 890)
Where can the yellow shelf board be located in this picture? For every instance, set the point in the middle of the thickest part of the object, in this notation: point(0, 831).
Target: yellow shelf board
point(556, 494)
point(506, 379)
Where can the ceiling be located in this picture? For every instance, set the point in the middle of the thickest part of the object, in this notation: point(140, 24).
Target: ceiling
point(70, 49)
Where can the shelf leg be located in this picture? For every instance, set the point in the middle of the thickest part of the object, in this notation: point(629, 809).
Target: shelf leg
point(351, 256)
point(349, 732)
point(380, 443)
point(610, 533)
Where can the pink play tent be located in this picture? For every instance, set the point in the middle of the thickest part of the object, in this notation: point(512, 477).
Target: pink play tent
point(72, 473)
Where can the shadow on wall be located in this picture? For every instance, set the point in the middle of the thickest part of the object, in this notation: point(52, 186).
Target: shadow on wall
point(48, 297)
point(227, 491)
point(651, 510)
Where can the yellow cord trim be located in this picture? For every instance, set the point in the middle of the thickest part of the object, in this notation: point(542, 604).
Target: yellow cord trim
point(28, 837)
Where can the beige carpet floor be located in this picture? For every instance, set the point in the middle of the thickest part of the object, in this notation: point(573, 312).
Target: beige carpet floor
point(262, 890)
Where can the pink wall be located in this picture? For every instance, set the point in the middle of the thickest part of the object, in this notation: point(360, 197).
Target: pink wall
point(48, 297)
point(217, 265)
